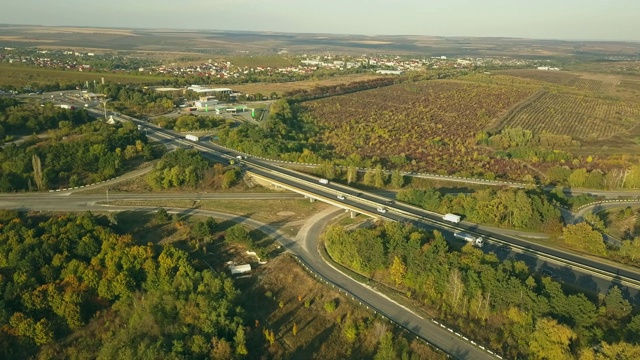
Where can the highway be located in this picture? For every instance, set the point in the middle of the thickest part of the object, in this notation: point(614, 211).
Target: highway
point(362, 202)
point(304, 247)
point(369, 203)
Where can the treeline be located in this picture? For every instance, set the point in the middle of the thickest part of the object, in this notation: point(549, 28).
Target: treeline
point(188, 169)
point(86, 154)
point(192, 122)
point(136, 101)
point(559, 167)
point(256, 77)
point(499, 304)
point(319, 92)
point(514, 208)
point(283, 135)
point(62, 273)
point(17, 118)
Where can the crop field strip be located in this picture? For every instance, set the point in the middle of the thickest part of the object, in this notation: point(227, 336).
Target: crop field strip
point(630, 85)
point(558, 78)
point(576, 116)
point(433, 122)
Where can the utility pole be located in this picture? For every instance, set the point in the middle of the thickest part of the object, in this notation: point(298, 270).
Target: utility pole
point(104, 104)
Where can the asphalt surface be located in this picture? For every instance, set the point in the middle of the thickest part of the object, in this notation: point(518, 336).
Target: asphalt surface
point(573, 266)
point(304, 246)
point(362, 202)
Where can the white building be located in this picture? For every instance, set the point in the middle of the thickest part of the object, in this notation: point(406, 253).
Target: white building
point(240, 269)
point(389, 72)
point(205, 104)
point(209, 91)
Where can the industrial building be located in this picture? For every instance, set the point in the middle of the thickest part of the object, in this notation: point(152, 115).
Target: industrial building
point(206, 102)
point(210, 91)
point(389, 72)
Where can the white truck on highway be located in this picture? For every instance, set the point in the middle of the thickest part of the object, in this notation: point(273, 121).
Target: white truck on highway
point(323, 181)
point(192, 138)
point(476, 241)
point(452, 217)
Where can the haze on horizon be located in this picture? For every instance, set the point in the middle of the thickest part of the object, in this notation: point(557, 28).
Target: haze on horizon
point(542, 19)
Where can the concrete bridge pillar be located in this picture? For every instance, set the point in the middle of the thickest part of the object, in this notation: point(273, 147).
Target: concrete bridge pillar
point(353, 214)
point(312, 199)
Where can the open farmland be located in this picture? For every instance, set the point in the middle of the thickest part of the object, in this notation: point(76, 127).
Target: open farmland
point(630, 85)
point(577, 116)
point(433, 123)
point(583, 82)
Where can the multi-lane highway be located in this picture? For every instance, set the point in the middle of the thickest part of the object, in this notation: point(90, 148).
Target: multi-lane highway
point(369, 203)
point(360, 202)
point(304, 247)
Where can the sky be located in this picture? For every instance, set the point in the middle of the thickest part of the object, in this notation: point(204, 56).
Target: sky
point(539, 19)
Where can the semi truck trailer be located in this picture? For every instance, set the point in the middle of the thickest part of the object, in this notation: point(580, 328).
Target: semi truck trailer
point(476, 241)
point(192, 138)
point(451, 217)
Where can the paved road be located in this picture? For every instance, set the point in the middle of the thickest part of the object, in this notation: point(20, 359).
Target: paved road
point(365, 202)
point(80, 202)
point(368, 203)
point(305, 247)
point(594, 208)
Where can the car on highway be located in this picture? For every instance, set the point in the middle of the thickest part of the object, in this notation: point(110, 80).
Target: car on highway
point(548, 273)
point(341, 197)
point(381, 210)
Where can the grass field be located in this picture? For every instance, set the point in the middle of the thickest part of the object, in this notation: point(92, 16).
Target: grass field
point(20, 76)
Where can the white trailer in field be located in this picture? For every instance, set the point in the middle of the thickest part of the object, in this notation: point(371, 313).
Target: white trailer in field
point(452, 217)
point(192, 138)
point(476, 241)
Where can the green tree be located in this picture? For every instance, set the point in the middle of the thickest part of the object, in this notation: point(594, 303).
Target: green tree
point(379, 177)
point(397, 270)
point(369, 178)
point(386, 350)
point(397, 179)
point(238, 234)
point(582, 236)
point(551, 340)
point(330, 306)
point(241, 342)
point(630, 249)
point(578, 177)
point(350, 331)
point(230, 178)
point(595, 221)
point(616, 306)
